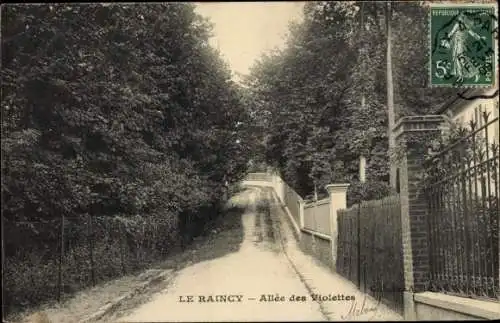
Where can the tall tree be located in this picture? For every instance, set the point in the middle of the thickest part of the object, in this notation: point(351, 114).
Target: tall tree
point(314, 87)
point(114, 109)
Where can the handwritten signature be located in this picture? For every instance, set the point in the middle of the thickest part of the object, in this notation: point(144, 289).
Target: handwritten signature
point(357, 310)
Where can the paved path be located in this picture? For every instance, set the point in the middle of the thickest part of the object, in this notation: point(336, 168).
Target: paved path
point(239, 286)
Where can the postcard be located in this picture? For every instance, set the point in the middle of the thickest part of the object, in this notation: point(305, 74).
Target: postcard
point(250, 161)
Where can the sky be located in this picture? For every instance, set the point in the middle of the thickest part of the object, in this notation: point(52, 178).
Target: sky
point(245, 30)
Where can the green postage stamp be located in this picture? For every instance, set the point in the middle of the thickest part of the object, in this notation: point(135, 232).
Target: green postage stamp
point(463, 45)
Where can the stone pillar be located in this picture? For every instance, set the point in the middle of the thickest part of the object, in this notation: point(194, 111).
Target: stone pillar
point(338, 200)
point(301, 214)
point(281, 189)
point(274, 184)
point(412, 134)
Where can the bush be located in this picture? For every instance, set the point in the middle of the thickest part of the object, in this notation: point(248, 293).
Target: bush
point(119, 246)
point(29, 280)
point(358, 192)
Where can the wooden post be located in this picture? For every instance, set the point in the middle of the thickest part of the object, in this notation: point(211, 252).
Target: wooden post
point(359, 244)
point(61, 259)
point(362, 159)
point(390, 94)
point(91, 250)
point(3, 262)
point(122, 240)
point(315, 208)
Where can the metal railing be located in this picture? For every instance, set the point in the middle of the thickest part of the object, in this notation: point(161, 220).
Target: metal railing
point(463, 213)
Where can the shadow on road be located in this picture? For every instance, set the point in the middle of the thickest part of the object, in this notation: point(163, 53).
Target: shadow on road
point(225, 237)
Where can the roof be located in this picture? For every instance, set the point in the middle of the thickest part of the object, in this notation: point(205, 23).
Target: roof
point(455, 100)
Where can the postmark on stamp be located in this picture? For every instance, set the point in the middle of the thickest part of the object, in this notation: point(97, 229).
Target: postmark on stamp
point(462, 45)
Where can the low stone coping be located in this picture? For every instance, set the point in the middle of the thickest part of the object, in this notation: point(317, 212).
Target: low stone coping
point(474, 307)
point(311, 204)
point(337, 188)
point(317, 234)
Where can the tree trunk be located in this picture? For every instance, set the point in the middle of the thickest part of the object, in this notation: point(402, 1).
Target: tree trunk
point(362, 169)
point(390, 97)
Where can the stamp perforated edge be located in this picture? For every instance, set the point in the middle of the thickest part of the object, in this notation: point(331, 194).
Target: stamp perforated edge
point(494, 6)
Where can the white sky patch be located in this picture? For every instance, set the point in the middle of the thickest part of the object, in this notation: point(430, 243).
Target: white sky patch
point(245, 30)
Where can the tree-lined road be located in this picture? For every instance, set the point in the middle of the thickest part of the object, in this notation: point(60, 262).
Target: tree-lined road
point(123, 131)
point(259, 282)
point(259, 267)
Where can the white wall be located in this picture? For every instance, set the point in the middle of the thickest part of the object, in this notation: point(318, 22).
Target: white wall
point(473, 111)
point(317, 216)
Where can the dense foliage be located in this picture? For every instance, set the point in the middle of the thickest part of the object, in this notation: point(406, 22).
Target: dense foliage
point(309, 95)
point(112, 110)
point(358, 192)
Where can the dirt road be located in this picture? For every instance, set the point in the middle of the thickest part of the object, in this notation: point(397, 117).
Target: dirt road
point(265, 280)
point(230, 288)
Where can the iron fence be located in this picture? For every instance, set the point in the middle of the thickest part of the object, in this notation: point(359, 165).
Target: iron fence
point(463, 212)
point(370, 251)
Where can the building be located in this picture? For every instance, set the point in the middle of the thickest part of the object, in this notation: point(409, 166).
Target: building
point(469, 106)
point(462, 111)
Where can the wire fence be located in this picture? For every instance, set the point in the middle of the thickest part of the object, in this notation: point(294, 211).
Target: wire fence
point(47, 260)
